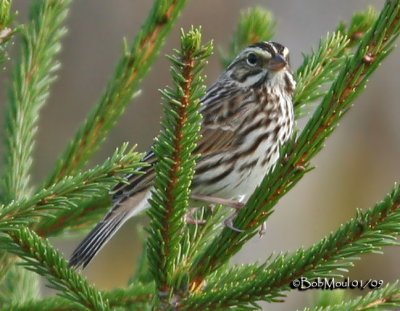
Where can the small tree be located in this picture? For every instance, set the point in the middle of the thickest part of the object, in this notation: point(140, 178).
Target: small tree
point(184, 267)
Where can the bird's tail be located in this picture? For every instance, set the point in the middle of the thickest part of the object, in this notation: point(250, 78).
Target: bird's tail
point(105, 229)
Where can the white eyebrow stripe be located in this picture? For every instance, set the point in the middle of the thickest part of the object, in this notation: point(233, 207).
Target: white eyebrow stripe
point(273, 47)
point(259, 51)
point(285, 51)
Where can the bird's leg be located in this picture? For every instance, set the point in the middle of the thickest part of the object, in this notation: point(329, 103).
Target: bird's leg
point(235, 204)
point(229, 223)
point(227, 202)
point(263, 229)
point(189, 218)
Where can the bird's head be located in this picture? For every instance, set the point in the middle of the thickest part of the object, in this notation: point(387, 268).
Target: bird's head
point(260, 63)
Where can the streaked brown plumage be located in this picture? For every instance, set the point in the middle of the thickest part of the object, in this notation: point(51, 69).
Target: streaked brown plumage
point(247, 116)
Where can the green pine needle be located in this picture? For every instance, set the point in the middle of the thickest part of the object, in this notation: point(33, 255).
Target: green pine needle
point(387, 298)
point(322, 67)
point(32, 77)
point(131, 69)
point(135, 297)
point(60, 205)
point(368, 232)
point(319, 69)
point(360, 24)
point(176, 164)
point(39, 256)
point(6, 31)
point(255, 24)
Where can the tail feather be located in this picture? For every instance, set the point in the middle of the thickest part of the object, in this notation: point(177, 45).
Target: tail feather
point(124, 208)
point(95, 240)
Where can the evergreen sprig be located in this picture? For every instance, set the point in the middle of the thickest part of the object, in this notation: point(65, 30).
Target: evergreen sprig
point(131, 69)
point(295, 157)
point(5, 28)
point(176, 164)
point(360, 24)
point(135, 297)
point(39, 256)
point(321, 67)
point(60, 205)
point(387, 298)
point(255, 25)
point(32, 77)
point(367, 232)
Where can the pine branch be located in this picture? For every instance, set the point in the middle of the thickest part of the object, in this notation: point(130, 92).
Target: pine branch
point(31, 80)
point(18, 285)
point(39, 256)
point(32, 77)
point(131, 69)
point(255, 24)
point(386, 298)
point(321, 67)
point(136, 297)
point(295, 158)
point(361, 23)
point(6, 31)
point(368, 232)
point(61, 204)
point(175, 166)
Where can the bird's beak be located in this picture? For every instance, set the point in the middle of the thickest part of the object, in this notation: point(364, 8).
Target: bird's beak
point(276, 63)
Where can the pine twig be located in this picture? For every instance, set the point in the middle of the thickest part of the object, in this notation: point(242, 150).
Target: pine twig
point(135, 297)
point(32, 77)
point(39, 256)
point(386, 298)
point(321, 67)
point(368, 232)
point(295, 158)
point(131, 69)
point(6, 31)
point(60, 205)
point(176, 164)
point(255, 25)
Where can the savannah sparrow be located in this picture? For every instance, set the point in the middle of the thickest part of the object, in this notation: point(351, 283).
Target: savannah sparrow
point(247, 116)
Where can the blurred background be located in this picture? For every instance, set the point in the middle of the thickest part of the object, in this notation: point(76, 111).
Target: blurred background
point(357, 168)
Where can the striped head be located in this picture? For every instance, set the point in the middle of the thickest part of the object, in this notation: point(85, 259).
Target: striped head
point(262, 62)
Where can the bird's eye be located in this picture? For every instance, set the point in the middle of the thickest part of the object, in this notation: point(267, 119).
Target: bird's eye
point(252, 59)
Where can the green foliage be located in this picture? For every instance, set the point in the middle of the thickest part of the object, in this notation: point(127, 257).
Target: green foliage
point(5, 29)
point(321, 67)
point(176, 164)
point(59, 206)
point(387, 298)
point(39, 256)
point(184, 267)
point(360, 24)
point(368, 232)
point(32, 77)
point(255, 25)
point(132, 67)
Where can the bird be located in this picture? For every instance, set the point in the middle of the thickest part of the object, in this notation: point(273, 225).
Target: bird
point(247, 117)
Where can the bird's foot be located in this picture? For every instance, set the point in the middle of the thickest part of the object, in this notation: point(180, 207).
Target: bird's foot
point(235, 204)
point(213, 200)
point(263, 229)
point(229, 223)
point(190, 219)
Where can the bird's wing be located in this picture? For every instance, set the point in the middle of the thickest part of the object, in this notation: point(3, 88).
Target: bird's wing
point(218, 134)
